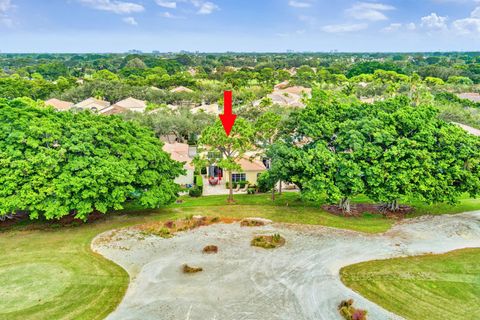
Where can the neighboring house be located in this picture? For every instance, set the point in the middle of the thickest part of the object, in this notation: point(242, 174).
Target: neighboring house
point(288, 97)
point(180, 152)
point(59, 105)
point(470, 130)
point(211, 109)
point(92, 104)
point(475, 97)
point(129, 104)
point(181, 89)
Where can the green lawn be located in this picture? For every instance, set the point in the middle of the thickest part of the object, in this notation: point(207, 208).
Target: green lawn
point(443, 286)
point(49, 272)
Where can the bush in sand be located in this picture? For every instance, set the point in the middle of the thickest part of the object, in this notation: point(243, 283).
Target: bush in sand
point(268, 242)
point(210, 249)
point(348, 312)
point(188, 269)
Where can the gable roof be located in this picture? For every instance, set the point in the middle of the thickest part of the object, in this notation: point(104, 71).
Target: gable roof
point(59, 105)
point(251, 165)
point(212, 109)
point(181, 89)
point(93, 104)
point(179, 152)
point(132, 104)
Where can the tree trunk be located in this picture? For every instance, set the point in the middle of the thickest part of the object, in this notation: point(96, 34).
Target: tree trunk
point(393, 206)
point(280, 188)
point(345, 205)
point(230, 195)
point(273, 193)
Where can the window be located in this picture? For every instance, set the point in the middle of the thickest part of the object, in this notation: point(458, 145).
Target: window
point(237, 177)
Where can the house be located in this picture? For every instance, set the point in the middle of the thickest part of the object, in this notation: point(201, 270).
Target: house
point(59, 105)
point(211, 109)
point(282, 85)
point(181, 89)
point(288, 97)
point(129, 104)
point(472, 96)
point(181, 152)
point(250, 171)
point(92, 104)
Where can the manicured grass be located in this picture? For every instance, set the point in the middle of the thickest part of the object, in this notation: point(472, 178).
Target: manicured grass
point(53, 274)
point(49, 272)
point(445, 286)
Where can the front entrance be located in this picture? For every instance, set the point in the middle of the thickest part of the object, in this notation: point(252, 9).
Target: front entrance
point(215, 172)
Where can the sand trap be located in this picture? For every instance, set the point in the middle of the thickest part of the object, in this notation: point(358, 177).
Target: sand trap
point(297, 281)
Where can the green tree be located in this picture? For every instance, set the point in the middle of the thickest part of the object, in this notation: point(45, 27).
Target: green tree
point(57, 163)
point(230, 148)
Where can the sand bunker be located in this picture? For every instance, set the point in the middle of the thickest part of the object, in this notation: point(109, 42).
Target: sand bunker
point(297, 281)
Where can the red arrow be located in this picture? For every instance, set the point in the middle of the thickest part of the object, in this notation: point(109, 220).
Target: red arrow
point(228, 119)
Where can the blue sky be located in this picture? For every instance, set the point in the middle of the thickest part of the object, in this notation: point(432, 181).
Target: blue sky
point(239, 25)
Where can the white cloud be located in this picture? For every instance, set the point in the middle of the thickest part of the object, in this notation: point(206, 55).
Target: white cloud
point(343, 28)
point(369, 11)
point(476, 13)
point(411, 26)
point(434, 21)
point(5, 19)
point(393, 27)
point(169, 15)
point(205, 7)
point(470, 25)
point(467, 26)
point(166, 4)
point(131, 21)
point(119, 7)
point(299, 4)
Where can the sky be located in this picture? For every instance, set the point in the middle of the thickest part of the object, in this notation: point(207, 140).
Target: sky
point(80, 26)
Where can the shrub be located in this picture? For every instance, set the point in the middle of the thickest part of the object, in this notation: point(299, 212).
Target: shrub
point(210, 249)
point(188, 269)
point(251, 191)
point(199, 181)
point(250, 222)
point(268, 242)
point(195, 192)
point(228, 185)
point(348, 312)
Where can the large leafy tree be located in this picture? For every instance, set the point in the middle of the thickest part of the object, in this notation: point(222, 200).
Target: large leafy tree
point(53, 164)
point(388, 151)
point(226, 151)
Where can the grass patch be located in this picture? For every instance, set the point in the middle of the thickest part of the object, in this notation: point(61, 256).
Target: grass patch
point(87, 286)
point(445, 286)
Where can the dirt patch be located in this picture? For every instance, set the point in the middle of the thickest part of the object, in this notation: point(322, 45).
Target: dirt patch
point(188, 269)
point(210, 249)
point(268, 242)
point(168, 229)
point(358, 209)
point(254, 222)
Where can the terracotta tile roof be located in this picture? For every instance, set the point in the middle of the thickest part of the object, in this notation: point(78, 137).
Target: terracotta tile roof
point(475, 97)
point(181, 89)
point(132, 104)
point(93, 104)
point(252, 165)
point(113, 110)
point(179, 152)
point(59, 104)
